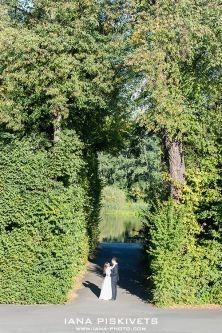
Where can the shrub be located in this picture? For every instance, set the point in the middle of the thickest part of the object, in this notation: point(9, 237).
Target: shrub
point(43, 200)
point(183, 268)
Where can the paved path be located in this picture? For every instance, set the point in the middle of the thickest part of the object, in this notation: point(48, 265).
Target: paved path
point(131, 308)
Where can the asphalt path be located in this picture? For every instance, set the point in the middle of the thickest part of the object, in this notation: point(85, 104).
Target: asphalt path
point(131, 312)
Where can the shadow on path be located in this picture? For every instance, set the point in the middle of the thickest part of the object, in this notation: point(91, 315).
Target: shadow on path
point(131, 270)
point(93, 287)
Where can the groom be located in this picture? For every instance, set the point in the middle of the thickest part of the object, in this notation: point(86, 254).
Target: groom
point(114, 277)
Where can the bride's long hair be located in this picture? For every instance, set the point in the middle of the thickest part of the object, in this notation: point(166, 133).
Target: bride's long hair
point(106, 265)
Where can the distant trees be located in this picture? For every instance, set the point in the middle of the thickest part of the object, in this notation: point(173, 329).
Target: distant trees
point(136, 168)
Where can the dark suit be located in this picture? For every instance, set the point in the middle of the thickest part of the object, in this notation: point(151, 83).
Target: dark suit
point(114, 280)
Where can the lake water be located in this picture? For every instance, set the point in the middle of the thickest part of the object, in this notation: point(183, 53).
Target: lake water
point(119, 228)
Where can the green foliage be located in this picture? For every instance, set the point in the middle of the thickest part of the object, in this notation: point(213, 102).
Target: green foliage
point(172, 58)
point(43, 242)
point(136, 169)
point(94, 195)
point(115, 200)
point(84, 67)
point(56, 70)
point(183, 268)
point(55, 76)
point(176, 51)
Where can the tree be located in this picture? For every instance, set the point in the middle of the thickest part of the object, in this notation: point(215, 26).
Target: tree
point(55, 70)
point(175, 50)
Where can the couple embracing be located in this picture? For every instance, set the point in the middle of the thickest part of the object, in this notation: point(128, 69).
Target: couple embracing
point(109, 287)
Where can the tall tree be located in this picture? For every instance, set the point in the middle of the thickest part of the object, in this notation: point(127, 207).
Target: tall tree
point(55, 69)
point(175, 51)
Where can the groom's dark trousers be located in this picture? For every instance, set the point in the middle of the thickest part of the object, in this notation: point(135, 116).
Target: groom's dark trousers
point(114, 280)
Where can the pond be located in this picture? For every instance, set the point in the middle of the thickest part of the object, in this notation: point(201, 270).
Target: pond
point(121, 218)
point(120, 228)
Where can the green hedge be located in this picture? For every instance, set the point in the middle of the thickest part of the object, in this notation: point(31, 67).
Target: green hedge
point(184, 268)
point(94, 194)
point(43, 212)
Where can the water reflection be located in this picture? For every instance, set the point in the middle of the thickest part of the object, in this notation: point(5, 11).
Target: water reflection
point(117, 228)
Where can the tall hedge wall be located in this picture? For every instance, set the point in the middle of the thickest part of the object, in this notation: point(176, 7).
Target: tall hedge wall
point(184, 267)
point(44, 208)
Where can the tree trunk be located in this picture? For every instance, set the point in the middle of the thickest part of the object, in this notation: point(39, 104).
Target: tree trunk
point(176, 166)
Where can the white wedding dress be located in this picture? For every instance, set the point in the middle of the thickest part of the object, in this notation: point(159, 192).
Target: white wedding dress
point(106, 291)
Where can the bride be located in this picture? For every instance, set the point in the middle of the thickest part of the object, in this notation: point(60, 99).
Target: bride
point(106, 291)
